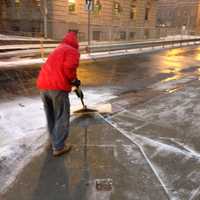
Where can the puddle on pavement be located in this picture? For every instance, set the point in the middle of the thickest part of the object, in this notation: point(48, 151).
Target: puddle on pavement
point(174, 62)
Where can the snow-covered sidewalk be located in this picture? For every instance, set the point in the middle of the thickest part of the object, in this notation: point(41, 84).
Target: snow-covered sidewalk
point(23, 131)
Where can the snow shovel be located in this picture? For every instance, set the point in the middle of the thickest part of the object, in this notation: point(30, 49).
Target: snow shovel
point(106, 108)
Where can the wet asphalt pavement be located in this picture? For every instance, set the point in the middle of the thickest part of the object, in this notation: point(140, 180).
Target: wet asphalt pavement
point(122, 74)
point(147, 149)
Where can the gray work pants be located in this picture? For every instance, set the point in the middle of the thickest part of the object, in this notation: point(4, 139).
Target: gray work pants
point(57, 110)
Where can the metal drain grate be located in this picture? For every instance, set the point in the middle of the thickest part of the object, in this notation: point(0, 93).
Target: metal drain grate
point(104, 184)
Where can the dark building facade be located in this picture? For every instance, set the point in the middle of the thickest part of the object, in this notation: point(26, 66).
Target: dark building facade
point(23, 17)
point(182, 15)
point(110, 19)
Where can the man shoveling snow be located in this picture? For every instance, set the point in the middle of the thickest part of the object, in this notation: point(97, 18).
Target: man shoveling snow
point(55, 81)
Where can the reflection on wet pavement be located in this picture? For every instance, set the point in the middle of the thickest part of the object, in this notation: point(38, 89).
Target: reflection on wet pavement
point(171, 90)
point(129, 73)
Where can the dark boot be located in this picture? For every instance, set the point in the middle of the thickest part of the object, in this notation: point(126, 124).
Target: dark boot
point(62, 151)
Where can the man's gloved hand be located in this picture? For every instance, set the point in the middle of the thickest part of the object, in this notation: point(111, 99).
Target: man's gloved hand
point(76, 83)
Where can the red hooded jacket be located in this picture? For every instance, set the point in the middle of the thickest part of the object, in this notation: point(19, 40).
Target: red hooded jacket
point(60, 68)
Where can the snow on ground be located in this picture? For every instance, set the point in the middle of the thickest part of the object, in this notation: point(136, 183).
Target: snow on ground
point(15, 37)
point(26, 46)
point(177, 37)
point(21, 125)
point(23, 131)
point(176, 169)
point(168, 136)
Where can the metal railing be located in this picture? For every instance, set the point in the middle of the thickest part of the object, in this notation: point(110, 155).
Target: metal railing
point(42, 50)
point(141, 45)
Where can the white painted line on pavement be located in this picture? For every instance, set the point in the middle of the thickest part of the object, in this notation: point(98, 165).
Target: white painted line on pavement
point(144, 154)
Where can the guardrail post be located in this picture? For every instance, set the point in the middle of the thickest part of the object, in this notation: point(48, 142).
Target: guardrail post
point(42, 48)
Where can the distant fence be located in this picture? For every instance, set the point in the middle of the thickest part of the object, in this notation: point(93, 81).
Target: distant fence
point(99, 47)
point(140, 45)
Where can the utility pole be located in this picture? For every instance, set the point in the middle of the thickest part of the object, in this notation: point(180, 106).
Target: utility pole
point(89, 5)
point(188, 23)
point(45, 16)
point(89, 25)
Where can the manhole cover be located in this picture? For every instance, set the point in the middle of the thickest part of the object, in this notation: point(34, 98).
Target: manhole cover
point(104, 184)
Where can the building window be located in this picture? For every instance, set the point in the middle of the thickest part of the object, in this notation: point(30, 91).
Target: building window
point(97, 7)
point(17, 3)
point(8, 4)
point(72, 6)
point(147, 10)
point(133, 10)
point(17, 6)
point(131, 35)
point(122, 35)
point(15, 28)
point(147, 14)
point(146, 33)
point(81, 36)
point(117, 9)
point(97, 35)
point(36, 3)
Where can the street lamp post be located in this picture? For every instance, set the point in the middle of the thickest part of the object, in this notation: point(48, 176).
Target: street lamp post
point(45, 13)
point(88, 5)
point(188, 23)
point(89, 25)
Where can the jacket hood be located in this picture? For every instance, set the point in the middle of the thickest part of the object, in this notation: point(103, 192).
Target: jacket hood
point(71, 40)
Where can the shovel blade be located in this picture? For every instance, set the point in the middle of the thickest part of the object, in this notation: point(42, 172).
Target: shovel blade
point(102, 109)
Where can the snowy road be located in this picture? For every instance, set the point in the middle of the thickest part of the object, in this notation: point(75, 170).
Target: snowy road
point(155, 99)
